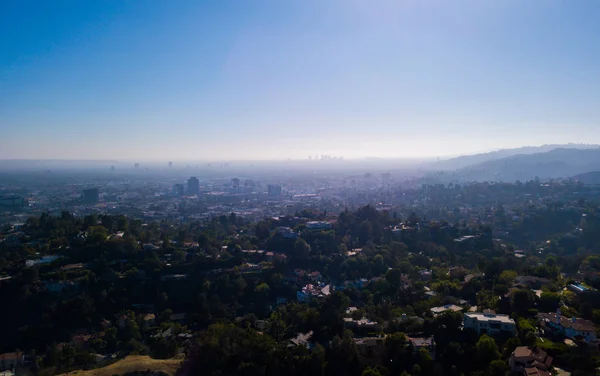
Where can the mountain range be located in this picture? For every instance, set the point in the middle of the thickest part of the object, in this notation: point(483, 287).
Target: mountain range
point(544, 162)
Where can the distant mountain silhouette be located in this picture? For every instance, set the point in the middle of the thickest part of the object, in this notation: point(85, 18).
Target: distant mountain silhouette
point(592, 177)
point(475, 159)
point(557, 163)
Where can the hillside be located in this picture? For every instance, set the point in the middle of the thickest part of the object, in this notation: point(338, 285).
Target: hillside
point(476, 159)
point(133, 363)
point(592, 177)
point(557, 163)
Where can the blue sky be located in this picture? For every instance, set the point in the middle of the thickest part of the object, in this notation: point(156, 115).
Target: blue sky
point(271, 79)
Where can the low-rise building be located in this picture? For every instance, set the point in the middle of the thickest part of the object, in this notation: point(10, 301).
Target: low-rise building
point(149, 320)
point(366, 344)
point(489, 322)
point(9, 361)
point(418, 343)
point(302, 339)
point(426, 274)
point(362, 323)
point(311, 291)
point(529, 361)
point(573, 328)
point(318, 225)
point(444, 308)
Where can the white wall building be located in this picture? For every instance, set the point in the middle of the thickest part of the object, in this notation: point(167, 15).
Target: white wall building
point(489, 322)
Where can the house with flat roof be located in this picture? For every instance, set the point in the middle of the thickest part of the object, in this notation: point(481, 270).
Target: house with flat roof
point(489, 322)
point(362, 323)
point(444, 308)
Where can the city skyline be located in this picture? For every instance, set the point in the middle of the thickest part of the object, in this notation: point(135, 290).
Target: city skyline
point(149, 81)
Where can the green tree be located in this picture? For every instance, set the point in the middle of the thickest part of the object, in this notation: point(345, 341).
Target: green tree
point(487, 350)
point(371, 372)
point(301, 249)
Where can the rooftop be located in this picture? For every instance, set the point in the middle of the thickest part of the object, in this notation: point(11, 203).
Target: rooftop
point(447, 307)
point(488, 316)
point(578, 324)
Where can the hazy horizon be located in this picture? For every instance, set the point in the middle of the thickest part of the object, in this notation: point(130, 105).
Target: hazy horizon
point(266, 81)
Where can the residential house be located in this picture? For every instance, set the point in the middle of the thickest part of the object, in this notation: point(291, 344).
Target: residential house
point(60, 286)
point(287, 232)
point(105, 324)
point(429, 294)
point(173, 277)
point(528, 361)
point(362, 323)
point(122, 321)
point(302, 339)
point(573, 328)
point(9, 361)
point(444, 308)
point(81, 341)
point(318, 225)
point(350, 310)
point(426, 275)
point(311, 291)
point(149, 320)
point(470, 277)
point(72, 266)
point(315, 277)
point(368, 344)
point(418, 343)
point(488, 322)
point(354, 252)
point(531, 282)
point(178, 317)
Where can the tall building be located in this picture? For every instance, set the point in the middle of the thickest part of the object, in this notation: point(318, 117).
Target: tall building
point(91, 196)
point(136, 165)
point(170, 164)
point(12, 202)
point(112, 168)
point(274, 189)
point(193, 186)
point(178, 190)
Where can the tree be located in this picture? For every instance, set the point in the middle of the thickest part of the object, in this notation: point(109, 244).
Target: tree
point(549, 301)
point(365, 232)
point(262, 292)
point(487, 350)
point(301, 249)
point(507, 277)
point(497, 368)
point(371, 372)
point(522, 301)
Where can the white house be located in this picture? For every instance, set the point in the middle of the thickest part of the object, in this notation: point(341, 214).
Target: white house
point(489, 322)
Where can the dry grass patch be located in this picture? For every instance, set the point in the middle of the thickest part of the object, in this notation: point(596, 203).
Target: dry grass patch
point(133, 363)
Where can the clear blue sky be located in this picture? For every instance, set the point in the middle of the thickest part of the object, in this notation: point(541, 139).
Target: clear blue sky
point(206, 80)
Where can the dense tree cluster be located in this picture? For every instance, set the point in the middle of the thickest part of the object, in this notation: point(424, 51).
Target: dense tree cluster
point(128, 287)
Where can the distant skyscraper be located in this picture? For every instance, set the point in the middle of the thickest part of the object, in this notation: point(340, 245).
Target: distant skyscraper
point(112, 168)
point(136, 165)
point(91, 196)
point(235, 183)
point(274, 189)
point(170, 164)
point(193, 186)
point(178, 190)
